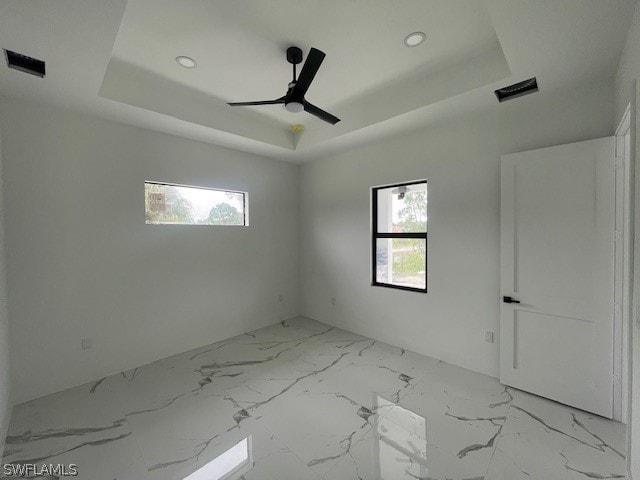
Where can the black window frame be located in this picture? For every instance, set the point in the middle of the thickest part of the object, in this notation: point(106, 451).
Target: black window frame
point(375, 235)
point(245, 203)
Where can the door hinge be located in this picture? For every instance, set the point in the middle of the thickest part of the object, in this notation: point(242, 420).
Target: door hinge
point(616, 379)
point(617, 235)
point(619, 162)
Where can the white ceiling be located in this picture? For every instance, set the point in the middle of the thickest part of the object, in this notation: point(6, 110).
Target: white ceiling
point(115, 59)
point(240, 45)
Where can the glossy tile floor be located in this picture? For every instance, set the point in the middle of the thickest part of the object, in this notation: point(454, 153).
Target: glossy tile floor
point(303, 400)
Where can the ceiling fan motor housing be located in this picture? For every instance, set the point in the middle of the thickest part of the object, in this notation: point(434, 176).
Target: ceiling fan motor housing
point(294, 55)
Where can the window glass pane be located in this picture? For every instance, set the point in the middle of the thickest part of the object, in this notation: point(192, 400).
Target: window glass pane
point(402, 209)
point(401, 261)
point(192, 205)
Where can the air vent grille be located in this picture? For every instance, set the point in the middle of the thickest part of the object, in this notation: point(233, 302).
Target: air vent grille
point(25, 63)
point(517, 89)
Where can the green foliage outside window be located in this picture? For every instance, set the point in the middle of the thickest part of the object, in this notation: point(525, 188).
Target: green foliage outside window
point(408, 258)
point(178, 208)
point(224, 214)
point(165, 204)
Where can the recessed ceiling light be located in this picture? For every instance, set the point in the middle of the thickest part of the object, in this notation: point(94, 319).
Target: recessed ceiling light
point(186, 62)
point(414, 39)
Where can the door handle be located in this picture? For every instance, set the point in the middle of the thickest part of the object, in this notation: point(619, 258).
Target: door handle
point(509, 300)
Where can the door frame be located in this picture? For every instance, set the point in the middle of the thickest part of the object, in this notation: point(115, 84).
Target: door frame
point(622, 278)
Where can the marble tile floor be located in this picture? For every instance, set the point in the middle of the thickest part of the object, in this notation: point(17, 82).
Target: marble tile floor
point(304, 400)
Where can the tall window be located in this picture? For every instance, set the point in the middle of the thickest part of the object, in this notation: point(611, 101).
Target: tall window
point(178, 204)
point(399, 236)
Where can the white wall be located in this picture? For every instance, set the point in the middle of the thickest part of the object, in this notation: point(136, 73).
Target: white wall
point(628, 67)
point(82, 262)
point(626, 78)
point(5, 405)
point(461, 161)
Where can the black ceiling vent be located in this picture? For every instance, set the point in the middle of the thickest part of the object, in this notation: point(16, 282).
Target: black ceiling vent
point(24, 63)
point(517, 90)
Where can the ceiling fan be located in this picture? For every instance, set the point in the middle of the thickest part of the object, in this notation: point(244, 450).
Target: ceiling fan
point(293, 100)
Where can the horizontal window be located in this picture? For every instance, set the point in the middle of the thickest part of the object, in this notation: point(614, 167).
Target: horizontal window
point(167, 204)
point(399, 236)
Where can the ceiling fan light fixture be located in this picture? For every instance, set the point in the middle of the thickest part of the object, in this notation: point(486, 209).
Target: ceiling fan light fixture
point(294, 107)
point(414, 39)
point(186, 62)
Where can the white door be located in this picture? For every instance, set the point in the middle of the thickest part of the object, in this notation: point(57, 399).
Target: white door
point(557, 234)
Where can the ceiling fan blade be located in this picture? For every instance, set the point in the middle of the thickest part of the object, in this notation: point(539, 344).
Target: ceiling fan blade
point(309, 70)
point(260, 102)
point(321, 114)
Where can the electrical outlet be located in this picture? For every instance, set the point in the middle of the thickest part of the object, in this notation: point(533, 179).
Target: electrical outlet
point(86, 343)
point(281, 298)
point(333, 300)
point(488, 337)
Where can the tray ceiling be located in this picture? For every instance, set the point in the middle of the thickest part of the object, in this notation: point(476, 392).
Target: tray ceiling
point(117, 59)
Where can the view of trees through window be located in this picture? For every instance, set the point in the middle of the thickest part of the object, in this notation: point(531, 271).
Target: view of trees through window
point(401, 235)
point(409, 260)
point(176, 204)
